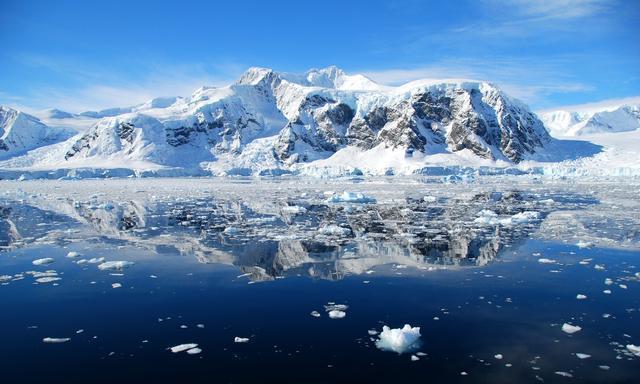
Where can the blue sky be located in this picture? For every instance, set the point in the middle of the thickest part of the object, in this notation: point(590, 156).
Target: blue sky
point(80, 55)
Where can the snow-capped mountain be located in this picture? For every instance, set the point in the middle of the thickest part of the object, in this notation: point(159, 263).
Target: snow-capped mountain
point(579, 122)
point(21, 132)
point(282, 121)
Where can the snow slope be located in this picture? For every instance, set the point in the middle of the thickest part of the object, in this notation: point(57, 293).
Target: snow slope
point(580, 121)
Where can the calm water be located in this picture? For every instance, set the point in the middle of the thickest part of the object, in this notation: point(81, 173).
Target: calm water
point(214, 260)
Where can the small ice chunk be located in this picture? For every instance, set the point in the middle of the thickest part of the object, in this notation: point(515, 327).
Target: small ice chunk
point(183, 347)
point(55, 340)
point(563, 374)
point(608, 281)
point(580, 296)
point(546, 261)
point(72, 254)
point(47, 279)
point(585, 244)
point(568, 328)
point(350, 197)
point(498, 356)
point(43, 261)
point(95, 260)
point(194, 351)
point(372, 332)
point(599, 267)
point(200, 326)
point(414, 358)
point(399, 340)
point(582, 356)
point(116, 285)
point(635, 349)
point(607, 291)
point(241, 339)
point(315, 313)
point(334, 230)
point(115, 265)
point(337, 314)
point(622, 286)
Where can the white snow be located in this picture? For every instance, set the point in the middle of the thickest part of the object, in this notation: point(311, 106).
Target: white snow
point(399, 340)
point(568, 328)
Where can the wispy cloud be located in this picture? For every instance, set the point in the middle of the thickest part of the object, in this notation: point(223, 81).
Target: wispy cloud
point(602, 104)
point(94, 87)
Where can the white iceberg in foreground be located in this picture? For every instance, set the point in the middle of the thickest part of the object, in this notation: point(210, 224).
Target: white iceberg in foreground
point(399, 340)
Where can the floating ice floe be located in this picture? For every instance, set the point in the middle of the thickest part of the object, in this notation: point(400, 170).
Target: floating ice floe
point(183, 347)
point(414, 358)
point(194, 351)
point(315, 313)
point(43, 261)
point(293, 210)
point(47, 279)
point(95, 260)
point(580, 296)
point(635, 349)
point(115, 265)
point(563, 374)
point(584, 244)
point(582, 356)
point(350, 197)
point(116, 285)
point(498, 356)
point(334, 230)
point(546, 261)
point(489, 217)
point(241, 339)
point(608, 281)
point(55, 340)
point(399, 340)
point(568, 328)
point(72, 254)
point(337, 314)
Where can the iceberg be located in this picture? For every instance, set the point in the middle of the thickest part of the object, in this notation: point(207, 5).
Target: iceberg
point(399, 340)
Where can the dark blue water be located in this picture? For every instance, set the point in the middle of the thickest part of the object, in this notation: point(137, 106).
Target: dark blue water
point(513, 307)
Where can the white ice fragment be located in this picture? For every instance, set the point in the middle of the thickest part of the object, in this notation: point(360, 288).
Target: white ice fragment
point(399, 340)
point(116, 285)
point(498, 356)
point(115, 265)
point(564, 374)
point(372, 332)
point(580, 296)
point(599, 267)
point(55, 340)
point(608, 281)
point(429, 199)
point(622, 286)
point(194, 351)
point(337, 314)
point(315, 313)
point(568, 328)
point(95, 260)
point(241, 339)
point(350, 197)
point(582, 356)
point(72, 254)
point(200, 326)
point(183, 347)
point(546, 261)
point(47, 279)
point(334, 230)
point(635, 349)
point(293, 210)
point(607, 291)
point(43, 261)
point(585, 244)
point(414, 358)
